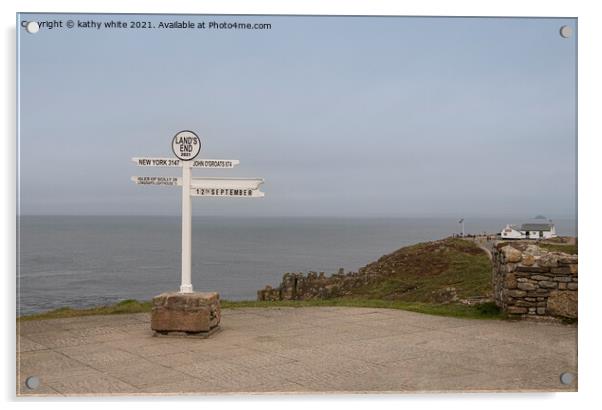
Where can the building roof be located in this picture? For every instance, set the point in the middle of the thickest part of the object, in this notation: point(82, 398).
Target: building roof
point(536, 227)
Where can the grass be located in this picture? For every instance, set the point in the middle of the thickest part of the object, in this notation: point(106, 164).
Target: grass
point(126, 306)
point(483, 311)
point(571, 249)
point(424, 272)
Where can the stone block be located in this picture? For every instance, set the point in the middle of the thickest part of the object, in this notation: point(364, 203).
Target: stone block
point(572, 286)
point(528, 260)
point(549, 260)
point(563, 303)
point(526, 286)
point(511, 255)
point(539, 292)
point(515, 293)
point(541, 310)
point(185, 312)
point(524, 303)
point(516, 310)
point(533, 269)
point(547, 284)
point(566, 260)
point(561, 270)
point(510, 281)
point(533, 250)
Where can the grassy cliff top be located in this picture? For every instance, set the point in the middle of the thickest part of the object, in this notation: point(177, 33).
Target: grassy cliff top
point(441, 271)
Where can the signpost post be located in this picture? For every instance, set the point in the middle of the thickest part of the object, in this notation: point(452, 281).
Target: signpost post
point(188, 311)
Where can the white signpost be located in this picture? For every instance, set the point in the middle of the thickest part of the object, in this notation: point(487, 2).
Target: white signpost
point(186, 145)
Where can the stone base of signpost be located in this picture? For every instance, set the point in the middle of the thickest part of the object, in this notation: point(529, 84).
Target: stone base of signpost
point(186, 314)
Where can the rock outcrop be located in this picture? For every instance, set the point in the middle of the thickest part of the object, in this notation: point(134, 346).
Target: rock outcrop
point(298, 286)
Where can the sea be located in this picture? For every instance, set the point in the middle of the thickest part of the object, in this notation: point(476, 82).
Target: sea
point(86, 261)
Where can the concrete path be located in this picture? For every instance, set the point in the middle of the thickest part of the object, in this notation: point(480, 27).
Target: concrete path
point(296, 350)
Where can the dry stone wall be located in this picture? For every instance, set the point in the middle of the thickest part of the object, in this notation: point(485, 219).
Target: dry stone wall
point(530, 281)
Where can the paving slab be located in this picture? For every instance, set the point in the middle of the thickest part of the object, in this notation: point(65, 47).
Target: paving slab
point(295, 350)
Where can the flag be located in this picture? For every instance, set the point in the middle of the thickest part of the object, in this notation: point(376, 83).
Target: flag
point(461, 220)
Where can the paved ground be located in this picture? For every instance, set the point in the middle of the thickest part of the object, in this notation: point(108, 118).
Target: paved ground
point(321, 349)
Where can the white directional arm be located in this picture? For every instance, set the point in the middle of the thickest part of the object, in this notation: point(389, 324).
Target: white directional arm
point(226, 183)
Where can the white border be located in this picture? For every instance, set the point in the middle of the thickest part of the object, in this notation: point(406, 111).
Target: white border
point(589, 185)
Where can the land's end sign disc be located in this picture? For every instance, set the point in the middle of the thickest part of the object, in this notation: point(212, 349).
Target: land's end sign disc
point(186, 145)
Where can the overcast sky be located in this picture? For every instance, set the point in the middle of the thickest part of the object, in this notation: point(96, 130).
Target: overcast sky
point(342, 116)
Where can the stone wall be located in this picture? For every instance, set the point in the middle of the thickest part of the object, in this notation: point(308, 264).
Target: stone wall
point(530, 281)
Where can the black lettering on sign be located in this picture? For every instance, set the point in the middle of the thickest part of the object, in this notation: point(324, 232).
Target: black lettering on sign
point(186, 145)
point(220, 191)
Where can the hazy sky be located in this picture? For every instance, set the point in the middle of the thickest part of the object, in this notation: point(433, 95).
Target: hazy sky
point(342, 116)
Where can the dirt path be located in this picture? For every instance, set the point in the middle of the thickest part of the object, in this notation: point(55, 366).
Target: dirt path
point(486, 245)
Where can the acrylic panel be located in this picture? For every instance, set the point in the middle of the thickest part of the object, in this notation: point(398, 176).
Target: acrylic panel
point(295, 204)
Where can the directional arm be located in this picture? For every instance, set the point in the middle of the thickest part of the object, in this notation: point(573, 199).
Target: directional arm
point(175, 162)
point(227, 183)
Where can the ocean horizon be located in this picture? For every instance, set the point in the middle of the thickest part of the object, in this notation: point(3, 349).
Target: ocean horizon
point(90, 260)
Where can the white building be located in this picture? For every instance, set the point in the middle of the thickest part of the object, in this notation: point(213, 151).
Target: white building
point(512, 232)
point(529, 231)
